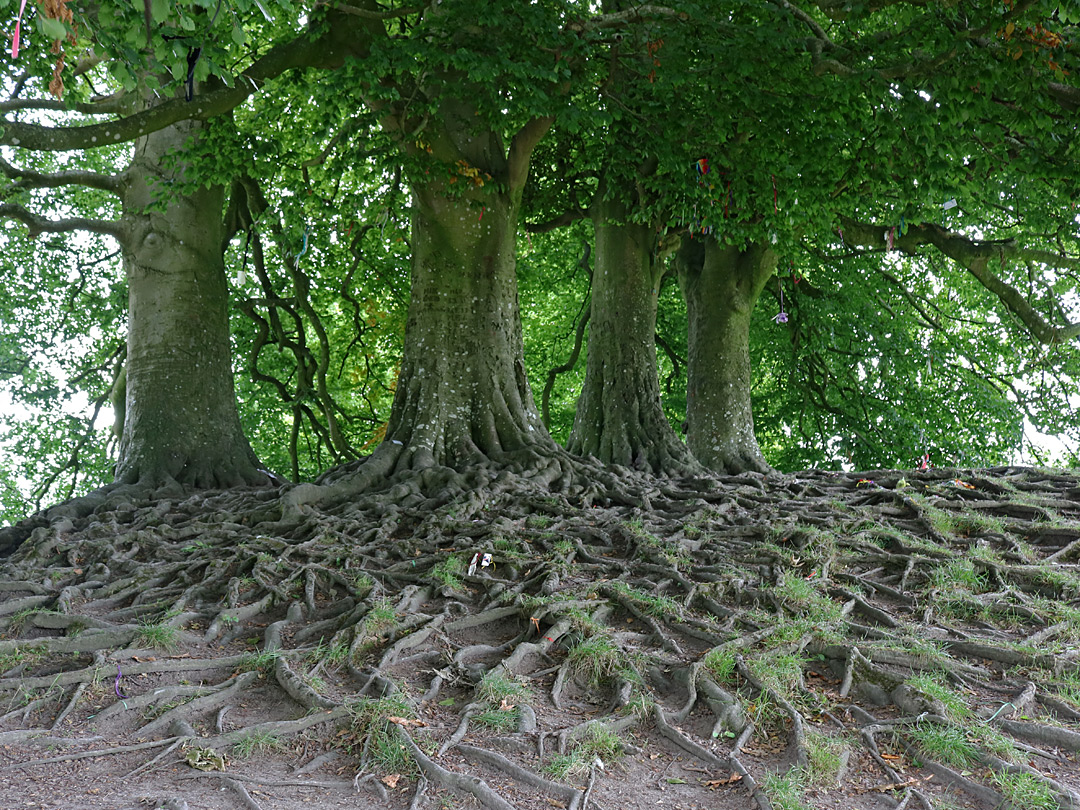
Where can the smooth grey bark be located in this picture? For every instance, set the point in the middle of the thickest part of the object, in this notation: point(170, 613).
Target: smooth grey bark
point(619, 418)
point(721, 284)
point(181, 419)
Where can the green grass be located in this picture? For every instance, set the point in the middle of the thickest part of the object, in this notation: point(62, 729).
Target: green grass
point(374, 738)
point(334, 654)
point(28, 656)
point(563, 547)
point(655, 606)
point(598, 741)
point(260, 662)
point(803, 598)
point(502, 697)
point(379, 618)
point(720, 663)
point(1062, 582)
point(257, 742)
point(785, 791)
point(1025, 790)
point(826, 756)
point(496, 686)
point(780, 670)
point(1068, 687)
point(596, 659)
point(158, 636)
point(510, 548)
point(933, 685)
point(948, 745)
point(448, 573)
point(362, 584)
point(958, 575)
point(498, 719)
point(671, 552)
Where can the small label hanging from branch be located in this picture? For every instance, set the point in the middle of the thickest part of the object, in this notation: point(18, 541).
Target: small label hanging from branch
point(781, 316)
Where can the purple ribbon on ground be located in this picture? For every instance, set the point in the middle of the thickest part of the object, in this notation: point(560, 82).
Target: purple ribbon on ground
point(116, 686)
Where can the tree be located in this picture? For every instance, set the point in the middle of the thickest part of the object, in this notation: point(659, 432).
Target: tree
point(703, 594)
point(180, 421)
point(761, 94)
point(721, 284)
point(619, 417)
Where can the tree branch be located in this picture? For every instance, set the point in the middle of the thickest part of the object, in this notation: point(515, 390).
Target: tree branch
point(620, 18)
point(521, 149)
point(110, 105)
point(368, 14)
point(807, 20)
point(560, 221)
point(974, 256)
point(549, 385)
point(37, 225)
point(25, 179)
point(327, 50)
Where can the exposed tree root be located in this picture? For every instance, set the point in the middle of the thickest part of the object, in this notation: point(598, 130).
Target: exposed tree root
point(480, 632)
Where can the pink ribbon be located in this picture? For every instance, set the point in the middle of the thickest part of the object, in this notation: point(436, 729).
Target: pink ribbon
point(15, 37)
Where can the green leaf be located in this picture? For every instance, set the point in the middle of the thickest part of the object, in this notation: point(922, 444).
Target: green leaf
point(52, 29)
point(159, 10)
point(238, 35)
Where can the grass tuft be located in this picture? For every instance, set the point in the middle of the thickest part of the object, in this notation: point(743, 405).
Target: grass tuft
point(1025, 790)
point(596, 659)
point(946, 744)
point(598, 742)
point(785, 791)
point(374, 737)
point(158, 636)
point(257, 742)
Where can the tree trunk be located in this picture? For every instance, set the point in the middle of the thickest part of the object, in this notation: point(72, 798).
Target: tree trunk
point(462, 396)
point(619, 418)
point(721, 285)
point(181, 419)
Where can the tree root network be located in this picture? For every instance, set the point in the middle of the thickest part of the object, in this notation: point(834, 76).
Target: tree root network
point(872, 640)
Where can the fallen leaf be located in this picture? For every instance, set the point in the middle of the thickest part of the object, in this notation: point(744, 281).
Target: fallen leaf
point(712, 784)
point(894, 786)
point(405, 722)
point(391, 780)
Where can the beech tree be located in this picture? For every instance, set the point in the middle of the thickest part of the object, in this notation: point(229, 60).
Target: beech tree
point(875, 198)
point(175, 390)
point(824, 126)
point(769, 133)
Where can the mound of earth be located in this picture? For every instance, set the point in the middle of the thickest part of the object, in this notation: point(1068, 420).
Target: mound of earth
point(867, 640)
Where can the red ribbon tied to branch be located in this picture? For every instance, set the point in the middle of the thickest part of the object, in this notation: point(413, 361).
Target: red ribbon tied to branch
point(18, 28)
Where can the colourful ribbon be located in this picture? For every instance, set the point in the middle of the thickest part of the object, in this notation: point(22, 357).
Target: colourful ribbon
point(18, 27)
